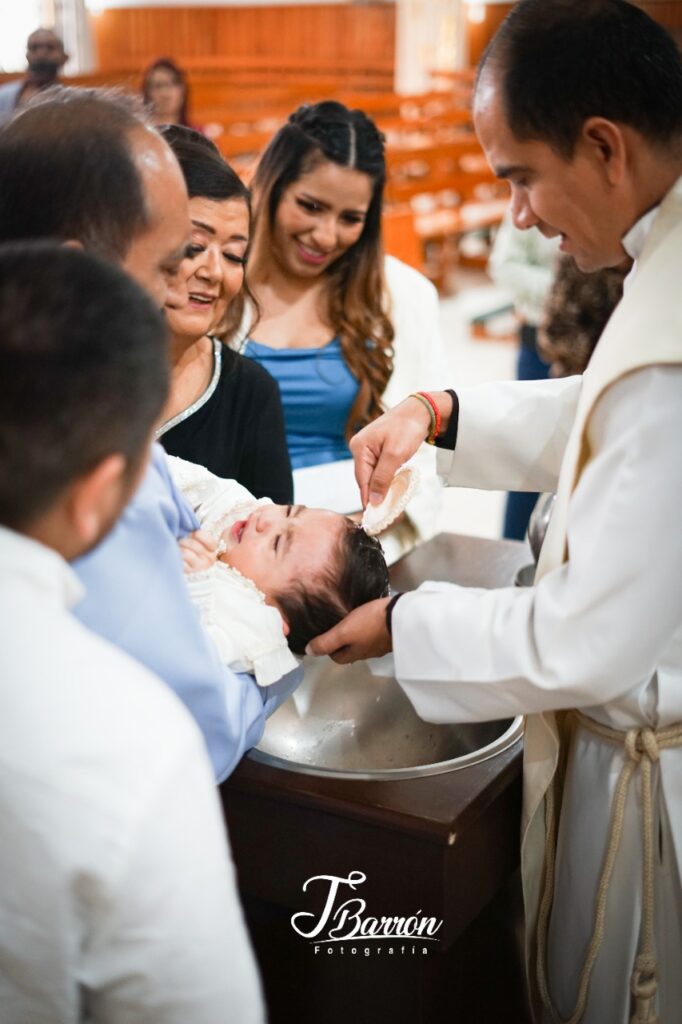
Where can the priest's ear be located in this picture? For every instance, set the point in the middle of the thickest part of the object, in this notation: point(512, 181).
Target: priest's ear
point(96, 500)
point(607, 144)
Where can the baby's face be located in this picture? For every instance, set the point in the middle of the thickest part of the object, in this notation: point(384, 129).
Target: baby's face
point(280, 544)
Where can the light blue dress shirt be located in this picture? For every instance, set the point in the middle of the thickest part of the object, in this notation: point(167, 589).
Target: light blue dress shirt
point(137, 598)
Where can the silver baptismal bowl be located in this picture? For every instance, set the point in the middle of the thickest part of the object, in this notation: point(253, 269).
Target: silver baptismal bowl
point(345, 722)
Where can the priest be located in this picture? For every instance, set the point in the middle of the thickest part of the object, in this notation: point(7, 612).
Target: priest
point(579, 108)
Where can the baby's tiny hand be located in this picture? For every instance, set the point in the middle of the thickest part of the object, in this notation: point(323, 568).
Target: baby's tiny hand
point(199, 551)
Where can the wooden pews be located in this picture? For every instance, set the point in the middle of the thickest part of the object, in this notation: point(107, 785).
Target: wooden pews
point(439, 185)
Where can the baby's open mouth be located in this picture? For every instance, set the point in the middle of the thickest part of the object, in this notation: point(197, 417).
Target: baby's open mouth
point(237, 530)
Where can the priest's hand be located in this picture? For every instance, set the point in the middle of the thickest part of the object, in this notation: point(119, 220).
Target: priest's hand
point(362, 634)
point(385, 444)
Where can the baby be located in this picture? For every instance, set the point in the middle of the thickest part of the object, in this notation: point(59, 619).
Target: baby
point(268, 578)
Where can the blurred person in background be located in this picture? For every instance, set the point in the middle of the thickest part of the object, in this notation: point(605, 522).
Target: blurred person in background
point(166, 93)
point(524, 263)
point(344, 329)
point(224, 411)
point(46, 57)
point(578, 308)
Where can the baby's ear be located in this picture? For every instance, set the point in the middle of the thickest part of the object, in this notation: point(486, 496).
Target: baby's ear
point(286, 628)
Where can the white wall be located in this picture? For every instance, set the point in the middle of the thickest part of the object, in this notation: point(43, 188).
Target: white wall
point(429, 36)
point(18, 20)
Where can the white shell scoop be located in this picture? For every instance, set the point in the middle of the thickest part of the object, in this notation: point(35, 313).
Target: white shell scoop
point(377, 518)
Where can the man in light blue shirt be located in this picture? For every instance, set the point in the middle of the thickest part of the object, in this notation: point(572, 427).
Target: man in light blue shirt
point(138, 599)
point(85, 169)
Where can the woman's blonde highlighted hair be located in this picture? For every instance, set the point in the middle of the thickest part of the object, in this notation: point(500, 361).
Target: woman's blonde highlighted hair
point(356, 290)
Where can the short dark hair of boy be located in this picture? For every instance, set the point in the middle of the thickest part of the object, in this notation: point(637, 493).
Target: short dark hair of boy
point(83, 373)
point(562, 62)
point(67, 171)
point(361, 576)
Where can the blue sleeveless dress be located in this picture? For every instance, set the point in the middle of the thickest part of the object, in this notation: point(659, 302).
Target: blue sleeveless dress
point(317, 391)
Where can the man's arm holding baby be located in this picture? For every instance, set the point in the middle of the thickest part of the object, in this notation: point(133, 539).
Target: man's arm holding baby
point(500, 435)
point(137, 598)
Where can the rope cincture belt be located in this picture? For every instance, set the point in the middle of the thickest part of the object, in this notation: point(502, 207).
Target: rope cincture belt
point(642, 747)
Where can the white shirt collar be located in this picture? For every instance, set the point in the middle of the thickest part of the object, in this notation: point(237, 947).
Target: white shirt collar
point(635, 239)
point(42, 567)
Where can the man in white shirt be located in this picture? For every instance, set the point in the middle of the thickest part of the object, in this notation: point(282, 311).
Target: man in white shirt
point(117, 892)
point(579, 106)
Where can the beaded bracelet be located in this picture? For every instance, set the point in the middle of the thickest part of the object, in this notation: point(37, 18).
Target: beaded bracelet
point(435, 432)
point(436, 421)
point(427, 405)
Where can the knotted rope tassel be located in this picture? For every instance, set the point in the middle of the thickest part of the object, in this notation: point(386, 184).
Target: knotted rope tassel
point(642, 747)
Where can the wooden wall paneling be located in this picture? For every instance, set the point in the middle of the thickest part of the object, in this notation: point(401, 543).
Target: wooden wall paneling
point(324, 36)
point(479, 34)
point(330, 36)
point(668, 13)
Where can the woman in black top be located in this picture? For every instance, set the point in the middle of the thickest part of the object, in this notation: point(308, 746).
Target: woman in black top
point(224, 411)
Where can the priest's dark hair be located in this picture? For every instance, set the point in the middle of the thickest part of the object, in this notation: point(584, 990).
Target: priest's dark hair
point(67, 171)
point(358, 575)
point(563, 61)
point(83, 373)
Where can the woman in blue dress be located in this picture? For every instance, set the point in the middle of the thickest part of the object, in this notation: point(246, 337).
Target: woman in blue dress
point(345, 331)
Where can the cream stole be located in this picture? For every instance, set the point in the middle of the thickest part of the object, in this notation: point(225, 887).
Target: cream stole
point(645, 330)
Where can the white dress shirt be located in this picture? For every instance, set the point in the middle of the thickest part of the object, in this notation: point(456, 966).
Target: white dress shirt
point(467, 655)
point(117, 891)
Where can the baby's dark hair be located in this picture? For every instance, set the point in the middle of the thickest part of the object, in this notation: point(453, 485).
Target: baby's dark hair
point(359, 574)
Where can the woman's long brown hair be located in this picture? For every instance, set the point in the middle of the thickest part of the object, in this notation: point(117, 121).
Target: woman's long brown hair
point(356, 288)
